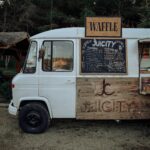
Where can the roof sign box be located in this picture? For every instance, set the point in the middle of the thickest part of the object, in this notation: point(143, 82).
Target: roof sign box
point(103, 27)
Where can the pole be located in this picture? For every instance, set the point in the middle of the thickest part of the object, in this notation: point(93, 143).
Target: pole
point(51, 13)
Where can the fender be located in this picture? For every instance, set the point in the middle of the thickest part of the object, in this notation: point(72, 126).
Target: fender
point(43, 99)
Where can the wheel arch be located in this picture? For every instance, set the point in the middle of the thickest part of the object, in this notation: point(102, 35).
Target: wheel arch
point(42, 100)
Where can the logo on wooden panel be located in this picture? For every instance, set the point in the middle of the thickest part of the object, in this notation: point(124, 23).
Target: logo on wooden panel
point(103, 27)
point(110, 98)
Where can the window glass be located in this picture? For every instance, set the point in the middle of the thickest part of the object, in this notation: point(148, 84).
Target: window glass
point(58, 56)
point(47, 56)
point(62, 56)
point(145, 58)
point(30, 64)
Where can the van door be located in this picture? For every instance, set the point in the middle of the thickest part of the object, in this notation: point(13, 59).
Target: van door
point(144, 65)
point(57, 77)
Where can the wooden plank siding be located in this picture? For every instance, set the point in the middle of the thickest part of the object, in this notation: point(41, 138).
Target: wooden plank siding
point(111, 98)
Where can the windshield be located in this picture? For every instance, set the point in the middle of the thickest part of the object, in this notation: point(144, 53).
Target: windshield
point(30, 63)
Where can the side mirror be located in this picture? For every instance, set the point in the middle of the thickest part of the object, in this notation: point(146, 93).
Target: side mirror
point(41, 53)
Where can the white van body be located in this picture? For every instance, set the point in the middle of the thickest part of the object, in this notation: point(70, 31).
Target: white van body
point(58, 90)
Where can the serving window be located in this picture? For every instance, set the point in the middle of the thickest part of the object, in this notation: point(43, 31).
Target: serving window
point(145, 58)
point(144, 62)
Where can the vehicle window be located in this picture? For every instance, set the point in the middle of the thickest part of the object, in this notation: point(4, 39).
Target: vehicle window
point(58, 56)
point(145, 58)
point(47, 56)
point(30, 63)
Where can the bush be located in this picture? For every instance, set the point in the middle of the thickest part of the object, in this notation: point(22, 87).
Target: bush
point(5, 90)
point(5, 85)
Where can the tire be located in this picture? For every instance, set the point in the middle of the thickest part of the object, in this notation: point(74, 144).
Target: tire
point(34, 118)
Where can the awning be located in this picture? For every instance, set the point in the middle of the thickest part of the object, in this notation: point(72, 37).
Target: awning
point(11, 39)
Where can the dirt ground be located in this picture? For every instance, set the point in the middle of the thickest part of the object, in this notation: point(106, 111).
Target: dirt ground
point(76, 135)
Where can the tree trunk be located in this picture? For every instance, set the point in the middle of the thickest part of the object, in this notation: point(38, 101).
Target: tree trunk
point(5, 19)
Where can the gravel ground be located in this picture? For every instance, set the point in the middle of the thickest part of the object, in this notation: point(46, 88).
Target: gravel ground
point(76, 135)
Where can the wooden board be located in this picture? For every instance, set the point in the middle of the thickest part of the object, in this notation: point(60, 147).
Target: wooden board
point(111, 98)
point(103, 56)
point(103, 27)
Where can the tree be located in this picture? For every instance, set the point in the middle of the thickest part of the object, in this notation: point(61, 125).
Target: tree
point(145, 14)
point(35, 16)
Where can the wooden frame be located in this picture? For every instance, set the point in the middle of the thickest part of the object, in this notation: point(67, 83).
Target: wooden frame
point(105, 73)
point(140, 46)
point(110, 24)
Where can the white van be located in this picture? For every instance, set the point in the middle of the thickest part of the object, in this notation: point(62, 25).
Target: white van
point(66, 75)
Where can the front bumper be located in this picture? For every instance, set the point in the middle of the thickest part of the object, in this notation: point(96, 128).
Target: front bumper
point(12, 109)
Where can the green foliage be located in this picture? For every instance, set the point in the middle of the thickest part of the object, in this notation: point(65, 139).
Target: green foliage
point(2, 64)
point(145, 18)
point(5, 90)
point(145, 23)
point(36, 16)
point(144, 14)
point(5, 78)
point(86, 13)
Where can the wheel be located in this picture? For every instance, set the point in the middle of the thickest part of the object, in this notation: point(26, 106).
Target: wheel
point(33, 118)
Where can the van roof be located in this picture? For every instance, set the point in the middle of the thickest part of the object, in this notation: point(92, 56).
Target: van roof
point(78, 32)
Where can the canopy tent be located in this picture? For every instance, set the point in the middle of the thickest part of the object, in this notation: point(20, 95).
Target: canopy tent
point(14, 44)
point(10, 39)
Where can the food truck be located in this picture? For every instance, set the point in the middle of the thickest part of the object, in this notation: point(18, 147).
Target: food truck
point(69, 73)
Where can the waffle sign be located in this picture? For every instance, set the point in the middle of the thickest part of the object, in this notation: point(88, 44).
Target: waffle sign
point(103, 27)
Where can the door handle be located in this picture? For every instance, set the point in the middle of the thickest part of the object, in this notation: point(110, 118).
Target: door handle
point(70, 82)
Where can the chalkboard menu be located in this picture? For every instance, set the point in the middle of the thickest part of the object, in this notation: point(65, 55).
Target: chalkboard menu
point(103, 56)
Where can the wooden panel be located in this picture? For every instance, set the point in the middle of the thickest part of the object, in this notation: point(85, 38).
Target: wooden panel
point(111, 98)
point(103, 27)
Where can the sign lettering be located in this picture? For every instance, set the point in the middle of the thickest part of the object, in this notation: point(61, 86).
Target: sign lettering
point(109, 106)
point(103, 56)
point(103, 26)
point(104, 92)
